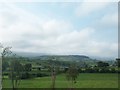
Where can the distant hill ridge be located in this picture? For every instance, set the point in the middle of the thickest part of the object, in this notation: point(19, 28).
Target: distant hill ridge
point(46, 55)
point(36, 55)
point(63, 57)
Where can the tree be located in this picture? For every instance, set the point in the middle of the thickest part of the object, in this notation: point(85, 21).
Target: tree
point(102, 64)
point(15, 66)
point(118, 62)
point(65, 69)
point(5, 65)
point(52, 69)
point(0, 68)
point(16, 69)
point(28, 67)
point(5, 51)
point(53, 76)
point(72, 74)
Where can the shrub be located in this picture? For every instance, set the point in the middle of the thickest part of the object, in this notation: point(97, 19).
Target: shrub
point(104, 70)
point(6, 73)
point(25, 75)
point(89, 70)
point(112, 70)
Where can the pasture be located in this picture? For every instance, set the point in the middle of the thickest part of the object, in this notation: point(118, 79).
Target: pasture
point(84, 80)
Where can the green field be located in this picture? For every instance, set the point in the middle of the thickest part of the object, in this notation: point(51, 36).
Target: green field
point(85, 80)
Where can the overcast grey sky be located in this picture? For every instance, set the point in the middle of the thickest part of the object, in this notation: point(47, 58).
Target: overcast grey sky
point(88, 28)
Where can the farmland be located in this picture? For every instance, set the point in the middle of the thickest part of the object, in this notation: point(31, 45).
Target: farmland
point(59, 72)
point(85, 80)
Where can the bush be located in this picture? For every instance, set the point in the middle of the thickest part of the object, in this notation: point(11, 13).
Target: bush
point(89, 70)
point(113, 70)
point(6, 73)
point(104, 70)
point(41, 74)
point(80, 70)
point(25, 75)
point(96, 70)
point(65, 69)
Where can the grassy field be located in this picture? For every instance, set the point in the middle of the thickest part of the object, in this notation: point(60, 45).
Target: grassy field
point(85, 80)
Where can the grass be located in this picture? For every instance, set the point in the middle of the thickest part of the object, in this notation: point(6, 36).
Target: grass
point(85, 80)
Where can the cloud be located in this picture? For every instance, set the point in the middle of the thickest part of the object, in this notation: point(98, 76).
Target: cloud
point(107, 23)
point(103, 48)
point(86, 8)
point(27, 32)
point(19, 25)
point(109, 20)
point(56, 27)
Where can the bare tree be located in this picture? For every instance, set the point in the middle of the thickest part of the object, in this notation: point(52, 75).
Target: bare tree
point(52, 70)
point(53, 76)
point(5, 51)
point(16, 69)
point(72, 75)
point(15, 66)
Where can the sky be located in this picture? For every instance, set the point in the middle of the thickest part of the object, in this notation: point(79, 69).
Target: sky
point(70, 28)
